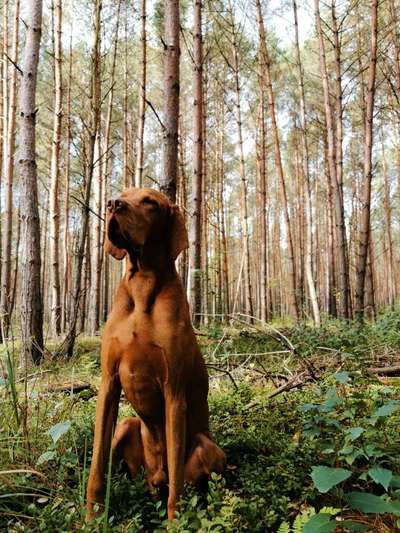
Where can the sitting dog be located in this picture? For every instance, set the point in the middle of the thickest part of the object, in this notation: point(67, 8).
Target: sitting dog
point(149, 350)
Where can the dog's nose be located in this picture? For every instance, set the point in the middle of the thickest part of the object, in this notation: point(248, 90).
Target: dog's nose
point(115, 205)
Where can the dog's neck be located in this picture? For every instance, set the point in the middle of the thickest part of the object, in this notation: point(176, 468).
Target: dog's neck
point(149, 269)
point(152, 258)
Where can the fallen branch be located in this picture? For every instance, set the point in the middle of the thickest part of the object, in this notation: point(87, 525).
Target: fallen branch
point(282, 339)
point(385, 371)
point(71, 388)
point(297, 381)
point(224, 371)
point(35, 375)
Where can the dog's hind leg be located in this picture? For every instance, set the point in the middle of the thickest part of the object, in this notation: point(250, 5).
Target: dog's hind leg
point(127, 444)
point(205, 457)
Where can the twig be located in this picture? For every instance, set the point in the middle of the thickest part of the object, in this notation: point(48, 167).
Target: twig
point(297, 381)
point(385, 371)
point(14, 63)
point(303, 361)
point(254, 354)
point(30, 376)
point(221, 340)
point(22, 471)
point(87, 207)
point(156, 114)
point(224, 371)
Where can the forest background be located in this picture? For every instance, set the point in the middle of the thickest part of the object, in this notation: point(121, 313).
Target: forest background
point(276, 129)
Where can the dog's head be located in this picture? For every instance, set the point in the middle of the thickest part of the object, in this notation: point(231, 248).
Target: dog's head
point(142, 216)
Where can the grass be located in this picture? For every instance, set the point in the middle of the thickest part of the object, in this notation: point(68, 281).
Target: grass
point(46, 434)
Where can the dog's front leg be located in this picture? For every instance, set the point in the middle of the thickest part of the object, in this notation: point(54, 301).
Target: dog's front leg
point(106, 417)
point(175, 411)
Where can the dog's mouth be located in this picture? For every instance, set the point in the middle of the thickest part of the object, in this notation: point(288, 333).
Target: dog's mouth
point(115, 233)
point(119, 238)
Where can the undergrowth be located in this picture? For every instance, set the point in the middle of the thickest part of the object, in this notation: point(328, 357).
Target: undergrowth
point(320, 458)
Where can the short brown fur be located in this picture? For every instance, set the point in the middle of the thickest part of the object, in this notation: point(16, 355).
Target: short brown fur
point(149, 350)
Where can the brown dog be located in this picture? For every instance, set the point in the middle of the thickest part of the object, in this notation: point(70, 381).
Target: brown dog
point(150, 350)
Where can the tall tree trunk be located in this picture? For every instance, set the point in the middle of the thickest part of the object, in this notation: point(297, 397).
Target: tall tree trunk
point(364, 228)
point(67, 346)
point(31, 297)
point(106, 169)
point(171, 99)
point(66, 255)
point(391, 277)
point(307, 197)
point(142, 99)
point(95, 243)
point(16, 265)
point(4, 105)
point(8, 178)
point(197, 179)
point(221, 170)
point(126, 174)
point(338, 199)
point(262, 191)
point(278, 158)
point(244, 215)
point(55, 306)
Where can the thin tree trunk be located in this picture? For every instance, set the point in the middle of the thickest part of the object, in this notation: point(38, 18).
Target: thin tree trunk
point(95, 96)
point(66, 255)
point(197, 178)
point(278, 158)
point(307, 197)
point(142, 99)
point(8, 178)
point(16, 265)
point(391, 277)
point(364, 228)
point(171, 99)
point(4, 102)
point(106, 169)
point(338, 199)
point(31, 297)
point(55, 306)
point(262, 191)
point(125, 127)
point(225, 267)
point(95, 245)
point(243, 176)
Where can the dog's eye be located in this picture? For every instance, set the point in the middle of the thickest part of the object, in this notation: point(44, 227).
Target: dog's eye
point(150, 201)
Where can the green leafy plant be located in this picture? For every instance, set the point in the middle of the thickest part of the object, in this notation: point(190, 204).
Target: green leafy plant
point(346, 424)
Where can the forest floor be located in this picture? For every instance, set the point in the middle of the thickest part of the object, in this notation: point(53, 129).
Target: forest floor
point(310, 432)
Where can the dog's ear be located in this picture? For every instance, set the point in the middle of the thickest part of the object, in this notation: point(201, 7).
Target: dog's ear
point(110, 248)
point(179, 236)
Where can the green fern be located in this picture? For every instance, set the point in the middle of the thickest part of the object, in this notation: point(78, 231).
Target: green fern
point(284, 528)
point(302, 519)
point(330, 510)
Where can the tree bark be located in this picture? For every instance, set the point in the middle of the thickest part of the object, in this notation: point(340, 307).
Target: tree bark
point(31, 297)
point(262, 191)
point(67, 346)
point(66, 255)
point(197, 177)
point(244, 215)
point(171, 99)
point(55, 305)
point(8, 179)
point(142, 99)
point(338, 199)
point(307, 197)
point(278, 158)
point(95, 242)
point(364, 229)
